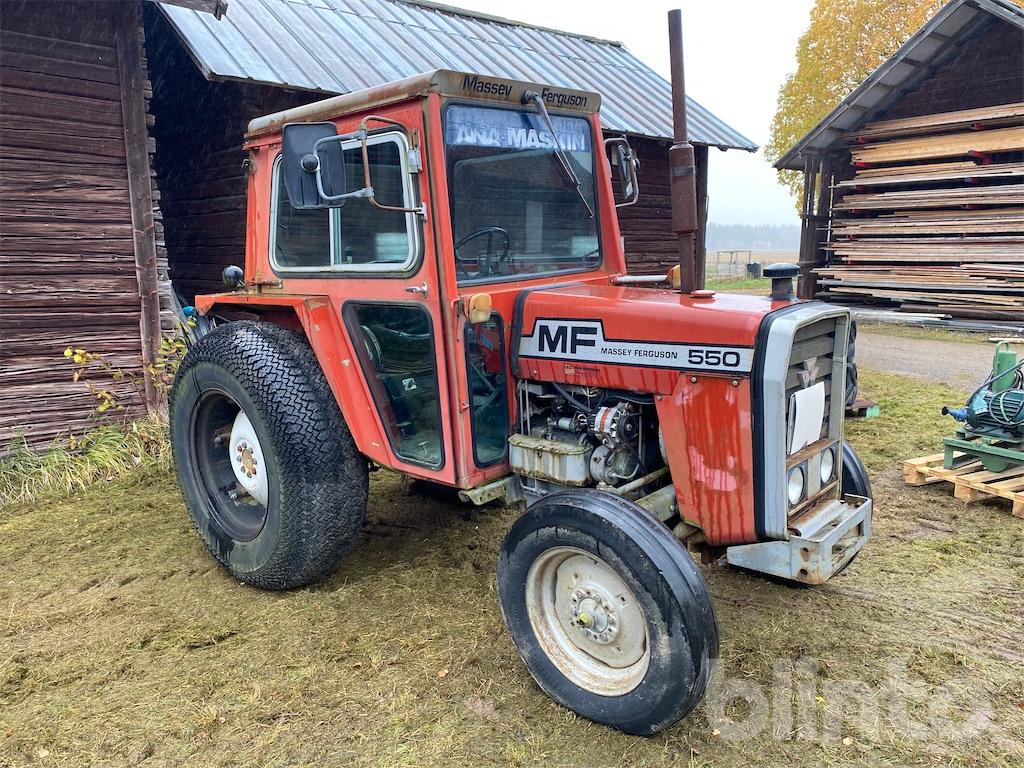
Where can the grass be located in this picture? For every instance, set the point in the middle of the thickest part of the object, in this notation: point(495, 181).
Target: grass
point(759, 285)
point(105, 453)
point(911, 422)
point(122, 643)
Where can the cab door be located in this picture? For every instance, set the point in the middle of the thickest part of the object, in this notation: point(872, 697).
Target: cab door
point(477, 352)
point(380, 272)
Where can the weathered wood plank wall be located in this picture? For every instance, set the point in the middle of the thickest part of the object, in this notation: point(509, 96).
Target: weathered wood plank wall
point(651, 245)
point(199, 131)
point(66, 240)
point(989, 69)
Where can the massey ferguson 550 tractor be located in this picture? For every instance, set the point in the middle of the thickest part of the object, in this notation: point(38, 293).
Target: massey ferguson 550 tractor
point(434, 282)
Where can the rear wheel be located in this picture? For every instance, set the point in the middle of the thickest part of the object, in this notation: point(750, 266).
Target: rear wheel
point(851, 366)
point(607, 610)
point(269, 470)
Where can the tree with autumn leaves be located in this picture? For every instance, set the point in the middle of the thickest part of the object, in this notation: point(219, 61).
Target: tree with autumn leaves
point(844, 42)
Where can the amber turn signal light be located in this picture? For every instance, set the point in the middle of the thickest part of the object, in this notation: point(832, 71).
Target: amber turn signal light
point(478, 309)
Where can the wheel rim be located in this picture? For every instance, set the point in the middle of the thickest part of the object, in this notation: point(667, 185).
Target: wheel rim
point(230, 466)
point(587, 620)
point(247, 459)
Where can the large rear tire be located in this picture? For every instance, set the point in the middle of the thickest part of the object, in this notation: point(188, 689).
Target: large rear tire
point(268, 468)
point(851, 366)
point(607, 610)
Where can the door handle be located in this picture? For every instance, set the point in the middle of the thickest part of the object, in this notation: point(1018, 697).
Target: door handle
point(418, 289)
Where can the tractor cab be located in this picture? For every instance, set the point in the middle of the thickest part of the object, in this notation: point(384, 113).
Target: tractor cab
point(421, 212)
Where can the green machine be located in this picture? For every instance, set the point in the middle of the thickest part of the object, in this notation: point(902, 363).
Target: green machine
point(993, 418)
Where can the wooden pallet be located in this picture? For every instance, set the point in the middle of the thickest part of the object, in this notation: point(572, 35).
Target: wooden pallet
point(971, 482)
point(863, 409)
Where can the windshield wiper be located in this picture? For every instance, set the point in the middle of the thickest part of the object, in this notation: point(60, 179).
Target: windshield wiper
point(563, 160)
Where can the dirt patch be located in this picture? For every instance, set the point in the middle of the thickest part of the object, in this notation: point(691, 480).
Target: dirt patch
point(122, 642)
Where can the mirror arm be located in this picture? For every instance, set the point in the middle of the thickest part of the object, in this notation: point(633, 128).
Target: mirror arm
point(315, 154)
point(413, 142)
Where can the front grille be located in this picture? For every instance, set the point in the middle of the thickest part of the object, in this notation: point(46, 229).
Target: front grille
point(816, 344)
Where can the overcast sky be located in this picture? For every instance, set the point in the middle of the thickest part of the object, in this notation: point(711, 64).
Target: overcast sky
point(738, 52)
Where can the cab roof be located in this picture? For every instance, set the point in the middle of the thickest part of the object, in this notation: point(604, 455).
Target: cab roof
point(443, 81)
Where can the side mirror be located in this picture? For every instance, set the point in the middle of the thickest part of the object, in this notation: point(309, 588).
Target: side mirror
point(313, 165)
point(627, 164)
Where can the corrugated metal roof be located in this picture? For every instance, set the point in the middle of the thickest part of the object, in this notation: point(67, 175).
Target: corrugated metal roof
point(217, 7)
point(339, 46)
point(932, 45)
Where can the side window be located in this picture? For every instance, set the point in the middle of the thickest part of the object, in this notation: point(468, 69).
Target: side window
point(367, 235)
point(358, 237)
point(301, 239)
point(485, 361)
point(395, 345)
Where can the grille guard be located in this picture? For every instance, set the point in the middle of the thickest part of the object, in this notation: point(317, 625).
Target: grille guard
point(836, 532)
point(768, 382)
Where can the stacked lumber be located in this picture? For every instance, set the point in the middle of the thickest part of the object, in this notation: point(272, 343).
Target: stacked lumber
point(965, 119)
point(944, 145)
point(932, 219)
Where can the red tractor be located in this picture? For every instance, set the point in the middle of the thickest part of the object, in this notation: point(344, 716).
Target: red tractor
point(434, 282)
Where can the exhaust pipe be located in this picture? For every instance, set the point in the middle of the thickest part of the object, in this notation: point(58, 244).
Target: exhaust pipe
point(683, 179)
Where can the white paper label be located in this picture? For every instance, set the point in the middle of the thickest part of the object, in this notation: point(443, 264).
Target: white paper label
point(806, 415)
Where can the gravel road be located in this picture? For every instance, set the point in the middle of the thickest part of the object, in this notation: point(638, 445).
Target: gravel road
point(963, 364)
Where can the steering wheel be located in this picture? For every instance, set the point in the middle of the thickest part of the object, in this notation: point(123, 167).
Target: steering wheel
point(485, 263)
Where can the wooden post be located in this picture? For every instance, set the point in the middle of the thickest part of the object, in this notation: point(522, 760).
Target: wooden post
point(820, 219)
point(805, 283)
point(132, 78)
point(700, 245)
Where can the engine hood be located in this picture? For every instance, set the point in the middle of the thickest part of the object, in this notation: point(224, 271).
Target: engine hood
point(601, 329)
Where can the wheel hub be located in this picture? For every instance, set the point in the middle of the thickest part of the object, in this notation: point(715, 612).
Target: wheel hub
point(598, 613)
point(588, 621)
point(247, 459)
point(594, 615)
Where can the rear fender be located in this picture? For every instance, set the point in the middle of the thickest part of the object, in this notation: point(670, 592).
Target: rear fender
point(333, 352)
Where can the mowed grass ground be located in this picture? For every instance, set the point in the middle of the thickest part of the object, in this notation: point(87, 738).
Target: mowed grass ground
point(122, 643)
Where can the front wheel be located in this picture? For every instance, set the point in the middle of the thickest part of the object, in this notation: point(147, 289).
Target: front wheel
point(607, 610)
point(855, 475)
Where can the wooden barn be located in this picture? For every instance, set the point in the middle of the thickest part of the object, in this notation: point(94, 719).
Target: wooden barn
point(121, 126)
point(82, 259)
point(914, 184)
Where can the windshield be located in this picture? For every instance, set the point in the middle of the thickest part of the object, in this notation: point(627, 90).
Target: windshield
point(515, 209)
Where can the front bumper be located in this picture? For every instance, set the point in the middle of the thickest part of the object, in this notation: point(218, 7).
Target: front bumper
point(821, 543)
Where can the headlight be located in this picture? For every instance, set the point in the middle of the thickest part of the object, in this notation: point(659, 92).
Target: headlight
point(795, 488)
point(828, 465)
